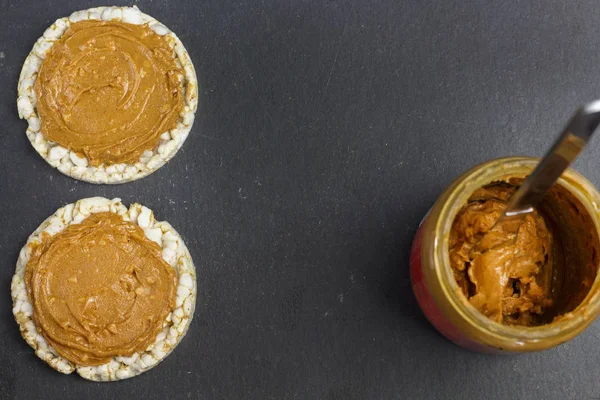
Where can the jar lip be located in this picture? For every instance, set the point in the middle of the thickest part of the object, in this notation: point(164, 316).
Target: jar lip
point(481, 175)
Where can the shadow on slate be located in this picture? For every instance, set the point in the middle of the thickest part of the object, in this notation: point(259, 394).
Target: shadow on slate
point(290, 310)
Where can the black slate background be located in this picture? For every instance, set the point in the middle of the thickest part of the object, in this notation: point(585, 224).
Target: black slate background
point(325, 132)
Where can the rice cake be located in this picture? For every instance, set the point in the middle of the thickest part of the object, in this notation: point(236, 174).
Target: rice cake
point(171, 249)
point(139, 148)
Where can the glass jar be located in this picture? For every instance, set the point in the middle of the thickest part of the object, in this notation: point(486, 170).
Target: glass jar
point(444, 303)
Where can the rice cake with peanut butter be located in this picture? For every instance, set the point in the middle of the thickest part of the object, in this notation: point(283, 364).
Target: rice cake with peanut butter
point(104, 290)
point(109, 95)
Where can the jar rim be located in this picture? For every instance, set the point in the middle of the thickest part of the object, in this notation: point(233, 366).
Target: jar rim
point(512, 336)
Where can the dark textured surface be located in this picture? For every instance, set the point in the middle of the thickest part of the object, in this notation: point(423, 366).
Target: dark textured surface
point(325, 132)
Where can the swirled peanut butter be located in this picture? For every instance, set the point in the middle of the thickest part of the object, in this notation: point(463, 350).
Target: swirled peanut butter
point(108, 90)
point(99, 289)
point(505, 270)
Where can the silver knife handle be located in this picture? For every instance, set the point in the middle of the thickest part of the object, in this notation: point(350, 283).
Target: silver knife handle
point(574, 137)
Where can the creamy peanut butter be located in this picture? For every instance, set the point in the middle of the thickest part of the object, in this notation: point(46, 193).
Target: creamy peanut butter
point(108, 90)
point(99, 289)
point(506, 269)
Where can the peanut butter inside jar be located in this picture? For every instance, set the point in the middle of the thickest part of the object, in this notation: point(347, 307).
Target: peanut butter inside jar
point(526, 272)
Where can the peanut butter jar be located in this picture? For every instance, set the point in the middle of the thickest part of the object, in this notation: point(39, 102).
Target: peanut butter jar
point(571, 211)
